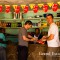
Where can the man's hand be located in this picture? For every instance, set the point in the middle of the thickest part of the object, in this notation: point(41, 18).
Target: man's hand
point(34, 39)
point(41, 42)
point(43, 38)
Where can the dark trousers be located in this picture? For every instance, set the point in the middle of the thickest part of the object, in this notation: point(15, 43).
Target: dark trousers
point(2, 53)
point(22, 53)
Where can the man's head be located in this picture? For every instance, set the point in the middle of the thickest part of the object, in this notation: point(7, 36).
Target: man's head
point(2, 30)
point(28, 24)
point(49, 18)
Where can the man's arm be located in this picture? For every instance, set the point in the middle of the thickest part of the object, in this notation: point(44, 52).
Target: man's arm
point(27, 39)
point(53, 31)
point(44, 38)
point(29, 36)
point(50, 37)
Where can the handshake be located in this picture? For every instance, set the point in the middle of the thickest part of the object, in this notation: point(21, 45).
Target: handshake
point(41, 41)
point(34, 39)
point(44, 38)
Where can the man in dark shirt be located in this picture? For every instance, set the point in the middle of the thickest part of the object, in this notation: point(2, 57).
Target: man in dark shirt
point(23, 41)
point(2, 45)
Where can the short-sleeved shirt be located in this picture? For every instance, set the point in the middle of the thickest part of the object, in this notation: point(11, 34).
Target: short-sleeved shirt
point(53, 29)
point(22, 32)
point(2, 36)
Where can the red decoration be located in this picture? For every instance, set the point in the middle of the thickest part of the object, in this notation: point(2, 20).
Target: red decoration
point(7, 9)
point(0, 8)
point(40, 42)
point(17, 10)
point(54, 7)
point(35, 9)
point(26, 9)
point(45, 8)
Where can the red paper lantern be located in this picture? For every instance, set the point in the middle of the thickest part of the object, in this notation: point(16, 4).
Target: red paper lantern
point(26, 9)
point(7, 9)
point(17, 10)
point(45, 8)
point(54, 7)
point(35, 9)
point(0, 8)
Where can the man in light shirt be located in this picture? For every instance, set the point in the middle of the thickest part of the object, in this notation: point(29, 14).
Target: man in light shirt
point(52, 39)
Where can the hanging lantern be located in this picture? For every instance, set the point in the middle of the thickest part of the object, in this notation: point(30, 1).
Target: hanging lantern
point(35, 9)
point(45, 8)
point(17, 9)
point(7, 8)
point(0, 8)
point(26, 9)
point(54, 7)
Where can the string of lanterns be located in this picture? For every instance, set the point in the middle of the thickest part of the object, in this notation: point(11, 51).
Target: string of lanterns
point(34, 7)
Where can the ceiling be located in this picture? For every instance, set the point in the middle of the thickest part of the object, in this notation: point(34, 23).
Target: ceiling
point(26, 1)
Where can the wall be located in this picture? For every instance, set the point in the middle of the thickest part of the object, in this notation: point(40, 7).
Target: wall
point(27, 15)
point(14, 31)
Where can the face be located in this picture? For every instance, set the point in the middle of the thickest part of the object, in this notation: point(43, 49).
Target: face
point(29, 26)
point(37, 31)
point(49, 19)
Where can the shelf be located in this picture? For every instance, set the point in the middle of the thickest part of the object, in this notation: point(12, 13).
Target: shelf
point(41, 19)
point(34, 18)
point(35, 27)
point(11, 20)
point(11, 27)
point(31, 28)
point(47, 27)
point(57, 17)
point(59, 26)
point(26, 19)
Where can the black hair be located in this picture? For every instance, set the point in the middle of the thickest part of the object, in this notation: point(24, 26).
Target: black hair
point(36, 29)
point(50, 15)
point(0, 30)
point(28, 22)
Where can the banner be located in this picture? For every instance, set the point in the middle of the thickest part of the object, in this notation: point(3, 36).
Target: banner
point(31, 5)
point(40, 5)
point(58, 3)
point(23, 6)
point(50, 4)
point(14, 6)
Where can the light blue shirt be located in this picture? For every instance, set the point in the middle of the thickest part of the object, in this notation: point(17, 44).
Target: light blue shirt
point(2, 37)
